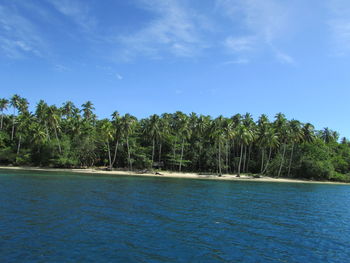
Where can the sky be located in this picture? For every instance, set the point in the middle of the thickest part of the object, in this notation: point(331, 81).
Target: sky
point(205, 56)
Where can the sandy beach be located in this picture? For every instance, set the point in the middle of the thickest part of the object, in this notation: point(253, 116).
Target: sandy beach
point(168, 174)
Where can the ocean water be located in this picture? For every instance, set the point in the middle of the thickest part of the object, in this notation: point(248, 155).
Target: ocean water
point(56, 217)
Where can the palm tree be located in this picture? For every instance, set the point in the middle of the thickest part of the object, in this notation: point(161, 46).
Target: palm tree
point(296, 136)
point(153, 131)
point(308, 131)
point(244, 137)
point(262, 136)
point(53, 119)
point(272, 142)
point(218, 135)
point(106, 132)
point(87, 109)
point(282, 130)
point(183, 132)
point(127, 125)
point(3, 106)
point(15, 103)
point(117, 133)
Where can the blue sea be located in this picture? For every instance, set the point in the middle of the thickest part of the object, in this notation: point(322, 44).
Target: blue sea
point(62, 217)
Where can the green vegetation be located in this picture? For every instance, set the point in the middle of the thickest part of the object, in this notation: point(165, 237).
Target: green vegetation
point(73, 137)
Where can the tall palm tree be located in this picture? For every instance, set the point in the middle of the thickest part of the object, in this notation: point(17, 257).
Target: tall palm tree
point(183, 132)
point(117, 133)
point(3, 106)
point(152, 130)
point(53, 119)
point(127, 125)
point(15, 104)
point(296, 136)
point(308, 131)
point(272, 142)
point(87, 109)
point(244, 137)
point(106, 132)
point(282, 130)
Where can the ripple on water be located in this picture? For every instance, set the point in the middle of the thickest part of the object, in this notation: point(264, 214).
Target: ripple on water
point(73, 218)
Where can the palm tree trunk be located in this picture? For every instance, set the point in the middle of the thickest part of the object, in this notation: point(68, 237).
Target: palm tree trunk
point(160, 152)
point(153, 145)
point(291, 159)
point(227, 156)
point(19, 144)
point(245, 157)
point(182, 153)
point(127, 146)
point(58, 140)
point(13, 124)
point(2, 119)
point(115, 153)
point(109, 156)
point(174, 154)
point(262, 159)
point(268, 160)
point(282, 161)
point(219, 159)
point(249, 152)
point(240, 161)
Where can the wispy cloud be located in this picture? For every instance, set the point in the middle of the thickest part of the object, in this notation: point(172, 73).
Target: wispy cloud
point(79, 12)
point(339, 25)
point(175, 29)
point(284, 58)
point(264, 21)
point(238, 61)
point(18, 35)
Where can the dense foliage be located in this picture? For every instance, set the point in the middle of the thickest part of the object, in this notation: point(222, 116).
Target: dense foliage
point(71, 137)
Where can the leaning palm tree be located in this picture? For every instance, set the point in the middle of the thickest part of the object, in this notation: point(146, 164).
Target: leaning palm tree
point(3, 106)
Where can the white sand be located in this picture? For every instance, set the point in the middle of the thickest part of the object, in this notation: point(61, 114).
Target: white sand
point(168, 174)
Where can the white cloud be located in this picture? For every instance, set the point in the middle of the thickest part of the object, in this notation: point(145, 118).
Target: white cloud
point(284, 58)
point(120, 77)
point(18, 35)
point(236, 61)
point(77, 11)
point(240, 44)
point(174, 30)
point(339, 25)
point(264, 21)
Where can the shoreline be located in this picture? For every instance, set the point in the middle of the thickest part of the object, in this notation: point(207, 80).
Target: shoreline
point(168, 174)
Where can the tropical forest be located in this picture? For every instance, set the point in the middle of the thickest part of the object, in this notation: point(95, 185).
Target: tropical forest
point(69, 136)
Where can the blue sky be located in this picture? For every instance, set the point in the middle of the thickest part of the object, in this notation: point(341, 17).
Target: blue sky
point(154, 56)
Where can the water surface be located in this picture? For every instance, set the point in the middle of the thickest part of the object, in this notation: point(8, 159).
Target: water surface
point(56, 217)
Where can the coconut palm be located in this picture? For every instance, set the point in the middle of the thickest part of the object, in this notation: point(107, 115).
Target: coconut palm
point(87, 109)
point(127, 127)
point(282, 130)
point(3, 106)
point(106, 132)
point(152, 130)
point(244, 137)
point(53, 120)
point(296, 136)
point(15, 104)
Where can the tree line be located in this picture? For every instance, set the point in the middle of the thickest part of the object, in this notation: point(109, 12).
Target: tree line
point(69, 136)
